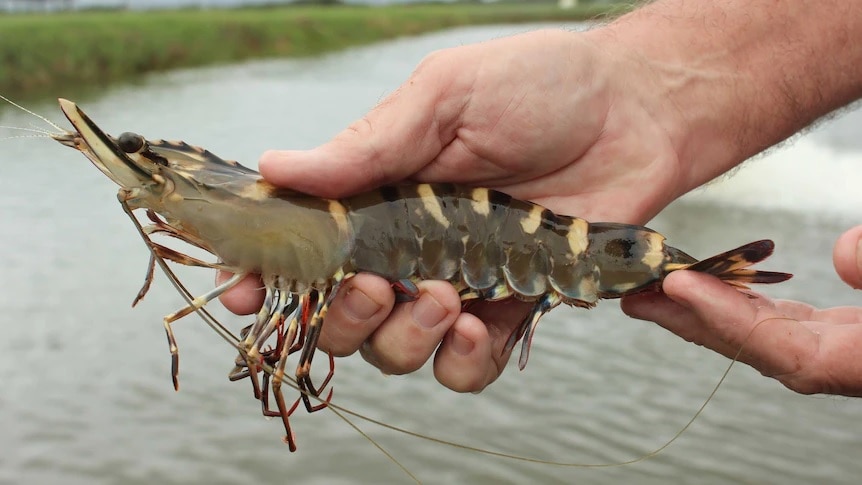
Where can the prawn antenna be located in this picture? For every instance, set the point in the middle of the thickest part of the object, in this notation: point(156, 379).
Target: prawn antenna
point(46, 120)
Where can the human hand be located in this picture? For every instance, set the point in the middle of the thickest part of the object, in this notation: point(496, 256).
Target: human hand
point(808, 350)
point(608, 125)
point(546, 116)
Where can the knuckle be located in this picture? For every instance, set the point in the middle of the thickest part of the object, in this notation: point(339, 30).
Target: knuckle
point(807, 382)
point(439, 57)
point(361, 128)
point(362, 137)
point(401, 363)
point(391, 362)
point(803, 386)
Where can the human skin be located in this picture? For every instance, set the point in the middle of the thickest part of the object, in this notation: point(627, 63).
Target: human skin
point(807, 349)
point(608, 125)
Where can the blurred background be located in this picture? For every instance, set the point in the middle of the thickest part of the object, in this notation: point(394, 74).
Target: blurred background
point(57, 5)
point(85, 391)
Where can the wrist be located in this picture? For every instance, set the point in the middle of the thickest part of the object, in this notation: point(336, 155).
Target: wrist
point(729, 79)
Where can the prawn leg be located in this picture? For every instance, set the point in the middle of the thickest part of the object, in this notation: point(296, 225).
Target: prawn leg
point(303, 369)
point(125, 196)
point(290, 333)
point(528, 327)
point(253, 342)
point(197, 303)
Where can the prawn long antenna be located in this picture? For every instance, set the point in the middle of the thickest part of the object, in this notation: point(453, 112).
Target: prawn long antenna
point(39, 133)
point(541, 461)
point(46, 120)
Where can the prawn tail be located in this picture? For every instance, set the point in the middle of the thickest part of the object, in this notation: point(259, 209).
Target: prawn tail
point(732, 266)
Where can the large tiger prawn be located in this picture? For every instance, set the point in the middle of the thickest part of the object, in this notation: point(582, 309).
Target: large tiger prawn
point(487, 244)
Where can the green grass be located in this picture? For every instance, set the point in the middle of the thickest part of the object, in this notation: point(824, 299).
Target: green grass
point(41, 53)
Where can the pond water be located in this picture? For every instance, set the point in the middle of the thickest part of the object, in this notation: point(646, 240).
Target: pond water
point(86, 394)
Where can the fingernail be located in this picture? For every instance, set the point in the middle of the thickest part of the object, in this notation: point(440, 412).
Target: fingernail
point(859, 256)
point(359, 306)
point(427, 312)
point(461, 344)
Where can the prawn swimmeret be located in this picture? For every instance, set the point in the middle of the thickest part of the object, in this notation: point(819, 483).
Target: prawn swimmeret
point(489, 245)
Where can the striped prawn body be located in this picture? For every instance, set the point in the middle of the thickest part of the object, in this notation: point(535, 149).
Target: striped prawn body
point(489, 245)
point(494, 247)
point(478, 238)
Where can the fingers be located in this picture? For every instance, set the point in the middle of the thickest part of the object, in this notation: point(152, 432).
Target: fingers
point(362, 304)
point(393, 141)
point(400, 339)
point(847, 257)
point(471, 356)
point(413, 331)
point(837, 368)
point(702, 309)
point(465, 362)
point(245, 298)
point(771, 342)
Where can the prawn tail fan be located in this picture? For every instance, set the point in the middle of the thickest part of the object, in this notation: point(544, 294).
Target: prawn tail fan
point(732, 266)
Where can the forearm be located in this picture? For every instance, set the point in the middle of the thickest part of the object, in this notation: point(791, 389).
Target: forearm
point(735, 77)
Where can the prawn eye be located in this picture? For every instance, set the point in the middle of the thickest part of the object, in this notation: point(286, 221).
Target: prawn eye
point(130, 142)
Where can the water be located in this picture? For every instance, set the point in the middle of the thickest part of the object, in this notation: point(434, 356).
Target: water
point(86, 394)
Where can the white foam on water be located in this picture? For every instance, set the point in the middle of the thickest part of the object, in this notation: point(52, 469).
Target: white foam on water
point(802, 176)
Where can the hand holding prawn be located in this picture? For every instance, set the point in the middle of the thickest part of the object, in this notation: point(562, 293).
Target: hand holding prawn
point(489, 246)
point(807, 349)
point(521, 137)
point(613, 160)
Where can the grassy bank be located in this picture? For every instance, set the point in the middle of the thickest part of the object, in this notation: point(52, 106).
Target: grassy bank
point(39, 53)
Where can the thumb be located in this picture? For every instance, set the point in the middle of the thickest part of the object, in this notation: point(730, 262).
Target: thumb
point(847, 257)
point(730, 322)
point(396, 139)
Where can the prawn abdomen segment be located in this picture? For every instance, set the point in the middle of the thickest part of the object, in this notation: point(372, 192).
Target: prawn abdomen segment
point(479, 238)
point(629, 258)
